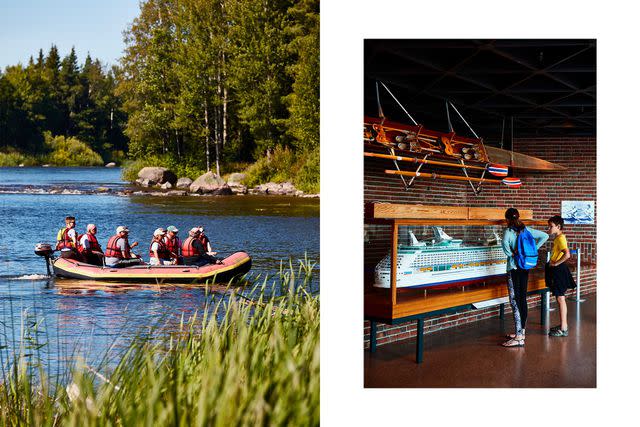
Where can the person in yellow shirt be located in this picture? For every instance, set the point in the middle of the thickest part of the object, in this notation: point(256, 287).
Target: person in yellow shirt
point(557, 274)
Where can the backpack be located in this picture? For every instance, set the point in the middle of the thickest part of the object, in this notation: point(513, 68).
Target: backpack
point(526, 253)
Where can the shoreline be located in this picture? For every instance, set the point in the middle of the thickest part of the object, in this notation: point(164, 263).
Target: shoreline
point(102, 190)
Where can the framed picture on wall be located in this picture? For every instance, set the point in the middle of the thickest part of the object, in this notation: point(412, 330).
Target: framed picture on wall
point(578, 212)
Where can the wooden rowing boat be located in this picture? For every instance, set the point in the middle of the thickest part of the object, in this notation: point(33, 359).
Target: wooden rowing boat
point(418, 141)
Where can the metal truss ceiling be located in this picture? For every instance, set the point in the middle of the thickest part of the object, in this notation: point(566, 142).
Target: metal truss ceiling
point(548, 87)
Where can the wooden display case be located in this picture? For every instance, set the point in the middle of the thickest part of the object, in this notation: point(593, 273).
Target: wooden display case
point(392, 305)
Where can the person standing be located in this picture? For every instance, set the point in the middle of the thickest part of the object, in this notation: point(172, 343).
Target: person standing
point(517, 276)
point(557, 274)
point(89, 247)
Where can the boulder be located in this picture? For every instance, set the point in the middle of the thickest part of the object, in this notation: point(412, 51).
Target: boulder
point(236, 178)
point(110, 165)
point(21, 165)
point(176, 193)
point(103, 189)
point(157, 175)
point(166, 186)
point(283, 189)
point(144, 182)
point(210, 183)
point(237, 188)
point(184, 182)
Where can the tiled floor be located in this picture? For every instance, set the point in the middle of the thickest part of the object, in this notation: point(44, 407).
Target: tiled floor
point(471, 355)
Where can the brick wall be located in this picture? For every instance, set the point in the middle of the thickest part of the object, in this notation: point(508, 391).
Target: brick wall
point(543, 193)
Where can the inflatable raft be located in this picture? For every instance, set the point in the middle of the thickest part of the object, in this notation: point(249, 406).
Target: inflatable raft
point(234, 265)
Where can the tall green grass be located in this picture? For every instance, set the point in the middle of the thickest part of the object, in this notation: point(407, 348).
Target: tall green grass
point(243, 360)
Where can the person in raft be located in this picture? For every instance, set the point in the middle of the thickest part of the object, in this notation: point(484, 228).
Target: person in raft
point(193, 252)
point(68, 239)
point(206, 244)
point(118, 253)
point(557, 275)
point(89, 247)
point(517, 278)
point(173, 244)
point(158, 253)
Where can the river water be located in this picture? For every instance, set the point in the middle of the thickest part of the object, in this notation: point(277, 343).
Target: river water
point(87, 319)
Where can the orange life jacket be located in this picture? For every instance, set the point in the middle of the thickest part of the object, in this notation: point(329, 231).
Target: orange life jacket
point(112, 248)
point(188, 249)
point(93, 243)
point(173, 245)
point(204, 240)
point(163, 253)
point(66, 241)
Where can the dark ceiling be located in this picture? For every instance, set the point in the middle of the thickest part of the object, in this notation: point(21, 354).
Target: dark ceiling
point(548, 87)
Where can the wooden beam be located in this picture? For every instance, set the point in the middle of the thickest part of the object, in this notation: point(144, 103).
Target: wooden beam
point(404, 211)
point(441, 176)
point(397, 211)
point(426, 162)
point(496, 213)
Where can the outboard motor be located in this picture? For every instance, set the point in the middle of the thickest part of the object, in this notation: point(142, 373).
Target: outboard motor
point(44, 250)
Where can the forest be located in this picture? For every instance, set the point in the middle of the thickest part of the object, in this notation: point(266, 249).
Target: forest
point(224, 85)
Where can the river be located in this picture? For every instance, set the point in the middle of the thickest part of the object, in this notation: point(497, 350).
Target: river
point(73, 318)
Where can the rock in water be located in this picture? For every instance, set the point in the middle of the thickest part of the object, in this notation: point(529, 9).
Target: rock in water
point(210, 183)
point(157, 175)
point(110, 165)
point(166, 186)
point(184, 182)
point(283, 189)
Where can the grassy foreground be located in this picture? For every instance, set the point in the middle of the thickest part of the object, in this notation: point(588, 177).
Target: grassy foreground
point(258, 363)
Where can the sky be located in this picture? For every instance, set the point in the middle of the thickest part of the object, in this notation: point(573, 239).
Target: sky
point(93, 26)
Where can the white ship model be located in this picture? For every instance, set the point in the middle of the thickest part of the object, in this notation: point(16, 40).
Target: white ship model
point(443, 262)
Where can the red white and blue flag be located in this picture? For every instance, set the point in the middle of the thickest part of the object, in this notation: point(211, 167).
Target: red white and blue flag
point(512, 182)
point(498, 170)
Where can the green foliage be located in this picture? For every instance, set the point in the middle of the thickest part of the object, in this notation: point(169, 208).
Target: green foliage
point(70, 152)
point(131, 168)
point(303, 170)
point(308, 177)
point(14, 158)
point(303, 102)
point(60, 97)
point(246, 360)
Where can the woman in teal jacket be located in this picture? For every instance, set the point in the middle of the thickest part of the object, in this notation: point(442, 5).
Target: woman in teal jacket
point(517, 279)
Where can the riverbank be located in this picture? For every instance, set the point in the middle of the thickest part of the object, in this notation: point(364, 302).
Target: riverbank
point(136, 192)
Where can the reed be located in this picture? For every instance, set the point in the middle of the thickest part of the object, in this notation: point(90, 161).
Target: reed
point(249, 359)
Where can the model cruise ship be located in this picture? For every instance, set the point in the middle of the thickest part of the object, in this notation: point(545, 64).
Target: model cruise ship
point(443, 262)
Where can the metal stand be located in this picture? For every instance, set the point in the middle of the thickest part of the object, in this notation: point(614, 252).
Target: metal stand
point(420, 339)
point(372, 336)
point(546, 294)
point(577, 297)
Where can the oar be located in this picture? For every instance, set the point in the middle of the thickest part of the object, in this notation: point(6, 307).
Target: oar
point(441, 176)
point(416, 160)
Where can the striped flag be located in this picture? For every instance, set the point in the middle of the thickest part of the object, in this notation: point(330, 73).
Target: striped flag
point(512, 182)
point(496, 169)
